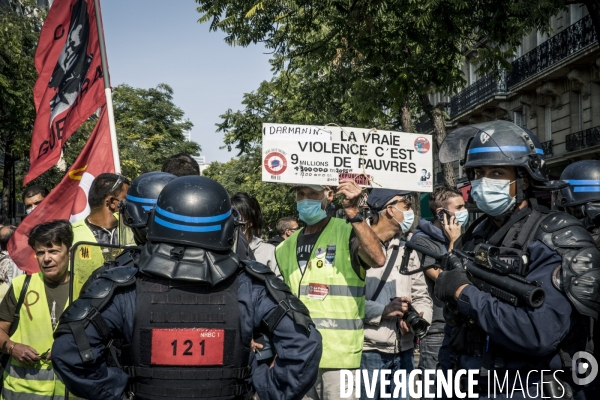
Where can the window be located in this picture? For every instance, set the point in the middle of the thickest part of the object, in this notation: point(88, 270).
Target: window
point(576, 13)
point(472, 74)
point(518, 118)
point(542, 37)
point(580, 110)
point(547, 123)
point(518, 51)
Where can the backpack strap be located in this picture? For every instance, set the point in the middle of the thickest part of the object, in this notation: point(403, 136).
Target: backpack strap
point(387, 272)
point(17, 316)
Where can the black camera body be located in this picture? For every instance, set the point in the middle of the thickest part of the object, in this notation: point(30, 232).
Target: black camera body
point(417, 324)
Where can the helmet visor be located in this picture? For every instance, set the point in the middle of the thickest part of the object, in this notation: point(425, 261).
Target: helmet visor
point(489, 143)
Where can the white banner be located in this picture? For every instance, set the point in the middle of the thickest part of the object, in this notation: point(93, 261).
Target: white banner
point(320, 155)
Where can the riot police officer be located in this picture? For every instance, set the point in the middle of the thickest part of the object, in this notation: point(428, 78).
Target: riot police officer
point(505, 164)
point(582, 197)
point(187, 314)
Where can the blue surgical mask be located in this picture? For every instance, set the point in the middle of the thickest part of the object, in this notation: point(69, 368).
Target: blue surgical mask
point(407, 222)
point(492, 195)
point(310, 211)
point(462, 217)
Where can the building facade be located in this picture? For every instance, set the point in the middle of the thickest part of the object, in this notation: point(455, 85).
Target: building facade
point(553, 90)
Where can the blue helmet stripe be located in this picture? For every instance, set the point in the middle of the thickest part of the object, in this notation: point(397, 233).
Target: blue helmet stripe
point(187, 228)
point(140, 199)
point(586, 189)
point(583, 182)
point(496, 149)
point(197, 220)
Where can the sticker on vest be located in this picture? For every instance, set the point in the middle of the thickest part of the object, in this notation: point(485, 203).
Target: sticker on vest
point(193, 346)
point(320, 252)
point(317, 291)
point(330, 255)
point(84, 253)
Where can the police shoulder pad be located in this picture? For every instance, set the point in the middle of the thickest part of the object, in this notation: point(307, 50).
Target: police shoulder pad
point(119, 275)
point(76, 311)
point(256, 267)
point(560, 230)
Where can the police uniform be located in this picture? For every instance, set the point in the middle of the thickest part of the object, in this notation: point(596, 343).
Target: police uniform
point(581, 198)
point(187, 315)
point(551, 248)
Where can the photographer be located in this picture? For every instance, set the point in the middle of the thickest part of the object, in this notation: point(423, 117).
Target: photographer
point(389, 325)
point(450, 215)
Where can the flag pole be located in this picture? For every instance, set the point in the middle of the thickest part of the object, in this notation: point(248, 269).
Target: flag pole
point(107, 90)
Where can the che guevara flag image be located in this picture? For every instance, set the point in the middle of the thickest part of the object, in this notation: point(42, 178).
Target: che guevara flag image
point(70, 85)
point(68, 200)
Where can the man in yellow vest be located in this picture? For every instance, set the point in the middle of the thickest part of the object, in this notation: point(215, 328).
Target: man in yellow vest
point(100, 226)
point(103, 198)
point(29, 374)
point(325, 266)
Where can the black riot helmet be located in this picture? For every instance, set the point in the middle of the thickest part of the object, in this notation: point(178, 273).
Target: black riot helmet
point(193, 211)
point(140, 200)
point(582, 197)
point(499, 143)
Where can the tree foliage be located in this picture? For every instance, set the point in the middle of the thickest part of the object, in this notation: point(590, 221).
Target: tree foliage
point(18, 41)
point(382, 54)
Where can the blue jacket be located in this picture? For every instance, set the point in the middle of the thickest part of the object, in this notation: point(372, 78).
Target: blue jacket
point(294, 373)
point(524, 338)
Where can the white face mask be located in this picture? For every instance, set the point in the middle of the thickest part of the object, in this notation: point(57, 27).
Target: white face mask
point(492, 195)
point(409, 218)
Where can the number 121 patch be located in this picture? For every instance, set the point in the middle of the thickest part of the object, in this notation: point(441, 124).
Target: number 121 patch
point(193, 346)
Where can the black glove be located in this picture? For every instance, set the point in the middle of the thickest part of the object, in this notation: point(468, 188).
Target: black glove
point(448, 283)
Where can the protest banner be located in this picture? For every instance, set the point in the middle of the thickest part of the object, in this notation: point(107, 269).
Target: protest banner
point(322, 155)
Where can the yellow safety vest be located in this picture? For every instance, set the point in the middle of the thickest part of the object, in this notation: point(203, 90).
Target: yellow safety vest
point(33, 381)
point(89, 258)
point(334, 294)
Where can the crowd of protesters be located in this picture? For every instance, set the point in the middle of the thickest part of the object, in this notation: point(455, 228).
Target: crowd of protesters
point(359, 310)
point(370, 298)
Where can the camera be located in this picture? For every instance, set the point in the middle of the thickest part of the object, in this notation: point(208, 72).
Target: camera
point(417, 324)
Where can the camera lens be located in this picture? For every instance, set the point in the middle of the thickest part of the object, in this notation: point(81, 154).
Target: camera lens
point(417, 324)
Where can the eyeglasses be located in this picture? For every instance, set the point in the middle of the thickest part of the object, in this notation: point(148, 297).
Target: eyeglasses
point(293, 229)
point(118, 183)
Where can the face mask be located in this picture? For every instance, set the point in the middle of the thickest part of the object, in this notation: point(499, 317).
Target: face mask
point(407, 222)
point(30, 210)
point(310, 211)
point(462, 217)
point(492, 195)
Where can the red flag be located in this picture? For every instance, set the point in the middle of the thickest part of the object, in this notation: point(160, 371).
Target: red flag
point(68, 200)
point(70, 85)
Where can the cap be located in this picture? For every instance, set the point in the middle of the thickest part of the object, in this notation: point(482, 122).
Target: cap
point(380, 197)
point(316, 188)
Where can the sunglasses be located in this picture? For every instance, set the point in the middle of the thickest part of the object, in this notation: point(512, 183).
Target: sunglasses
point(118, 183)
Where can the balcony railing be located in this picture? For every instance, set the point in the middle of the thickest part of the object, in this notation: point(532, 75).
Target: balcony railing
point(424, 125)
point(558, 47)
point(486, 87)
point(586, 138)
point(547, 147)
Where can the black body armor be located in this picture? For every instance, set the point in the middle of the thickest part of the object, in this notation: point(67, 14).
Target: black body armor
point(187, 341)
